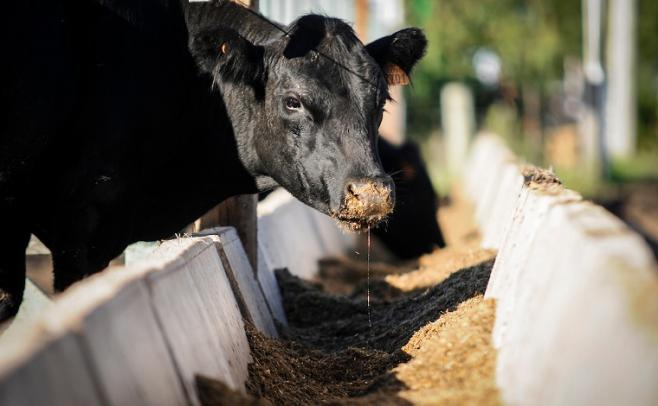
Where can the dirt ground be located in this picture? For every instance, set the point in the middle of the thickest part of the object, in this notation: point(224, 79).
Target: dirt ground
point(424, 340)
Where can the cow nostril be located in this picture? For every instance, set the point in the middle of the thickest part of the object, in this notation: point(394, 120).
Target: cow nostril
point(361, 190)
point(353, 189)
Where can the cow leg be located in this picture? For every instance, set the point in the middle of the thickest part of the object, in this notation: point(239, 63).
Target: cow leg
point(86, 247)
point(72, 265)
point(69, 266)
point(13, 242)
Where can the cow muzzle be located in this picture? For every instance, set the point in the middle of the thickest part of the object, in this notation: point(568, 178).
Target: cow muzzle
point(366, 202)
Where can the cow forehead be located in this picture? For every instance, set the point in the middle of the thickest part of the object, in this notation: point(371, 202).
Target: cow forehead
point(323, 53)
point(330, 75)
point(353, 77)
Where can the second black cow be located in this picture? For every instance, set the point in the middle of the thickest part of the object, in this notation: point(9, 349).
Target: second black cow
point(412, 229)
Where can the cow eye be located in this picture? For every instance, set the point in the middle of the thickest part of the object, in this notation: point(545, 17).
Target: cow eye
point(293, 103)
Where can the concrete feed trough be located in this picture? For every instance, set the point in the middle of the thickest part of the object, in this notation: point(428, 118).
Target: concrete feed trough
point(576, 290)
point(576, 306)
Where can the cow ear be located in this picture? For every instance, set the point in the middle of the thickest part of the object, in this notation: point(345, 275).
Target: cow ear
point(398, 53)
point(227, 55)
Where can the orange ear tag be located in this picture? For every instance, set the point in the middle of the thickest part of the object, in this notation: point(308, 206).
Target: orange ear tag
point(395, 75)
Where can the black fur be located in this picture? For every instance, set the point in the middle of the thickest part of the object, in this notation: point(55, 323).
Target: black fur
point(225, 54)
point(413, 228)
point(305, 35)
point(403, 48)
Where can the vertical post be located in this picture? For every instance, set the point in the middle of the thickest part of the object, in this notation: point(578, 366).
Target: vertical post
point(361, 20)
point(531, 120)
point(237, 211)
point(240, 212)
point(592, 120)
point(458, 118)
point(620, 111)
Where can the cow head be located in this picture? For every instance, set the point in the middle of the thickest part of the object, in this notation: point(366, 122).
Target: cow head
point(306, 105)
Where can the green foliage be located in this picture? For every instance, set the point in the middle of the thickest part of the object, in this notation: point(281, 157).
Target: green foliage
point(647, 75)
point(526, 42)
point(501, 119)
point(530, 36)
point(643, 166)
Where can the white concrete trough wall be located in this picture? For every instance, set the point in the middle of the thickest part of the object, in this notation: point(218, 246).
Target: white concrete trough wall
point(126, 348)
point(491, 169)
point(503, 206)
point(294, 236)
point(583, 315)
point(138, 335)
point(287, 235)
point(194, 301)
point(243, 277)
point(113, 339)
point(576, 291)
point(47, 370)
point(269, 285)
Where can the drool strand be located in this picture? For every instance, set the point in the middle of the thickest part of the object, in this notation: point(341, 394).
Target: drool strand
point(368, 286)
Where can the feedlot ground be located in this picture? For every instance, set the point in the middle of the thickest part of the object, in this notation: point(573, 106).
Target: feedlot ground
point(426, 341)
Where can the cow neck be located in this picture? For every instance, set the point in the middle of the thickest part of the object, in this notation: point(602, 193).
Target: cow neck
point(238, 102)
point(244, 105)
point(216, 146)
point(246, 112)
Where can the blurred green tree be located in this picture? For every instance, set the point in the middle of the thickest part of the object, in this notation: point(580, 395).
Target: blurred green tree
point(531, 37)
point(647, 75)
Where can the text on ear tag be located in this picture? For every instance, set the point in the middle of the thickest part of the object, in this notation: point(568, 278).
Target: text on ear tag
point(395, 75)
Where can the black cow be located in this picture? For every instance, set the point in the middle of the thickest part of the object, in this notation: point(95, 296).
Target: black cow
point(126, 120)
point(412, 229)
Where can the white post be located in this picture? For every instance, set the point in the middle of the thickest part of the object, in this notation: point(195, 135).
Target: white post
point(592, 121)
point(458, 118)
point(620, 104)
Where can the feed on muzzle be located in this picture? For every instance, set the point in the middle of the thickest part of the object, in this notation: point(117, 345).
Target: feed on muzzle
point(365, 205)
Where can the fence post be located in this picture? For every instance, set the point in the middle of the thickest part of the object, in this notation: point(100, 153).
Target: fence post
point(458, 122)
point(237, 211)
point(240, 212)
point(592, 121)
point(620, 131)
